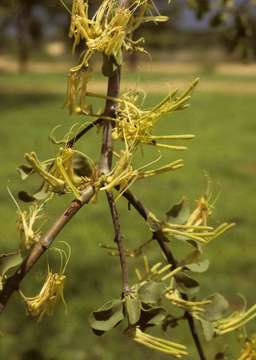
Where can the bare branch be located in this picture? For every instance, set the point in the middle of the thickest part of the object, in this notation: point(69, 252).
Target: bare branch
point(12, 284)
point(119, 241)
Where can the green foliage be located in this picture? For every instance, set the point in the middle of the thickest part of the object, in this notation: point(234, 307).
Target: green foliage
point(161, 290)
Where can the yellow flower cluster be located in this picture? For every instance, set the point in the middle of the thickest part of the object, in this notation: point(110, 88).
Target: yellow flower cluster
point(26, 223)
point(109, 30)
point(50, 294)
point(196, 227)
point(135, 124)
point(196, 308)
point(52, 291)
point(123, 175)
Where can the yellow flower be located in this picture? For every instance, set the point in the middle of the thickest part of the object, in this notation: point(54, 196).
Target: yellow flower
point(165, 346)
point(196, 226)
point(249, 349)
point(109, 29)
point(26, 223)
point(234, 321)
point(51, 292)
point(136, 125)
point(123, 174)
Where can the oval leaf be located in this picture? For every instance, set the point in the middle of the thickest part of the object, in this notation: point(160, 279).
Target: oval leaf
point(186, 284)
point(81, 165)
point(151, 316)
point(179, 213)
point(208, 329)
point(107, 317)
point(199, 267)
point(133, 308)
point(8, 262)
point(151, 292)
point(217, 308)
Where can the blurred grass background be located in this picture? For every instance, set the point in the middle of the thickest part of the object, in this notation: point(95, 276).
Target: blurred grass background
point(222, 117)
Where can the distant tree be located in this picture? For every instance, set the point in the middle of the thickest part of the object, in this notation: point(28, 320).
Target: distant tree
point(29, 27)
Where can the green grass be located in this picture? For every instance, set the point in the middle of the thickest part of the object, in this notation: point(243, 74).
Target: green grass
point(224, 148)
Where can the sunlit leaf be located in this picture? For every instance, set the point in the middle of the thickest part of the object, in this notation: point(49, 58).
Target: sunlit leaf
point(199, 267)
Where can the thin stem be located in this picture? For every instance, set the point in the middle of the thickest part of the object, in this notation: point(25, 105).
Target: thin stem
point(82, 132)
point(119, 242)
point(161, 239)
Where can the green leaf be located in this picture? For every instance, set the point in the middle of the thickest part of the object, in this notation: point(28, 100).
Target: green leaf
point(170, 321)
point(81, 165)
point(217, 308)
point(191, 258)
point(199, 267)
point(151, 292)
point(108, 66)
point(8, 262)
point(106, 317)
point(179, 213)
point(151, 316)
point(208, 329)
point(41, 194)
point(25, 197)
point(186, 284)
point(133, 308)
point(25, 171)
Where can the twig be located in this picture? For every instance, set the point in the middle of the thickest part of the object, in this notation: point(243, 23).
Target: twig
point(82, 132)
point(162, 242)
point(119, 241)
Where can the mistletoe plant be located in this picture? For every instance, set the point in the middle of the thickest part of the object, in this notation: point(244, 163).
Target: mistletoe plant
point(162, 290)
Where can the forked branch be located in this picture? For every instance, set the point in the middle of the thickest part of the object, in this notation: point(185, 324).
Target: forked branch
point(162, 242)
point(12, 284)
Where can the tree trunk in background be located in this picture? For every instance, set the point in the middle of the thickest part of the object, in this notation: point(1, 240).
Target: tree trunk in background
point(22, 29)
